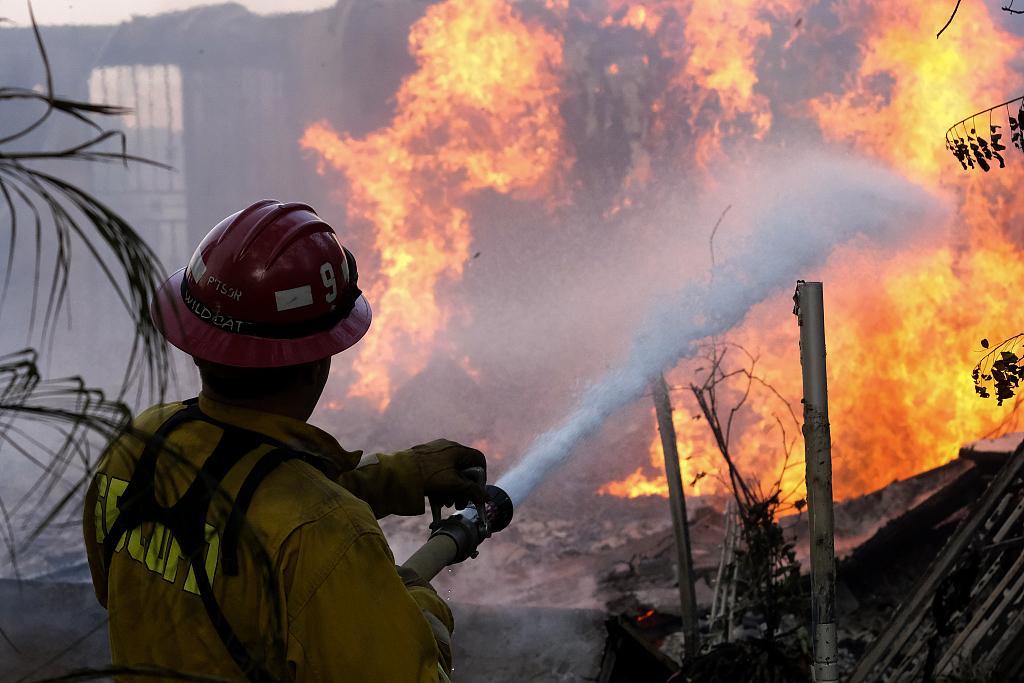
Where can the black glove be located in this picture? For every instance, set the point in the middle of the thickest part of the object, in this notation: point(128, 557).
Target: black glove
point(441, 463)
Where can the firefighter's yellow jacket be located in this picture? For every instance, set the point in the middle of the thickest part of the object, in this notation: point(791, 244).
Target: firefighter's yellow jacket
point(317, 595)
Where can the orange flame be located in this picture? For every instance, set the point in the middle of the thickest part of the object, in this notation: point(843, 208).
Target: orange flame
point(649, 480)
point(716, 61)
point(723, 45)
point(901, 398)
point(480, 112)
point(910, 87)
point(902, 328)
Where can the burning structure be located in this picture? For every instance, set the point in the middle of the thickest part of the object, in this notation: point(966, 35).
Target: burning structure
point(523, 178)
point(508, 136)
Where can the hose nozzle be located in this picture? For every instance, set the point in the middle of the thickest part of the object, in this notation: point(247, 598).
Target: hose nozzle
point(470, 527)
point(497, 509)
point(457, 537)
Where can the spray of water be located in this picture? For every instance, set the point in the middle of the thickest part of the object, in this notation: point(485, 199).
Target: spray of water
point(801, 213)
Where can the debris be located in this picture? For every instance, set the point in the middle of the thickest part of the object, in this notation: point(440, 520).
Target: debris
point(633, 651)
point(963, 619)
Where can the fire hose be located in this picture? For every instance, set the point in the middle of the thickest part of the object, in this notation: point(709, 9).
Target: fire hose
point(457, 537)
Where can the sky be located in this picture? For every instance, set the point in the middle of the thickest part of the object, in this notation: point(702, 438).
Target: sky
point(52, 12)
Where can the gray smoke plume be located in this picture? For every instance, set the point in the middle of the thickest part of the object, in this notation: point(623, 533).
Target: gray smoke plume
point(802, 210)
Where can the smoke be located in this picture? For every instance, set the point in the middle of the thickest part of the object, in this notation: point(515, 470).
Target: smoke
point(798, 212)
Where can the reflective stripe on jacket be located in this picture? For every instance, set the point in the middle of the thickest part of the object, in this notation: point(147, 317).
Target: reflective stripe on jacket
point(317, 596)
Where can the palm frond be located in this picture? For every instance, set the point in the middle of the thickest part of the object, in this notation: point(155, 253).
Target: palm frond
point(58, 418)
point(72, 214)
point(59, 426)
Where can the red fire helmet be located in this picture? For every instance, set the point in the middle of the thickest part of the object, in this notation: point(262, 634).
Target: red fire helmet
point(269, 286)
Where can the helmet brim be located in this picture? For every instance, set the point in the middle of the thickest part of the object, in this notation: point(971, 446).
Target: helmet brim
point(183, 329)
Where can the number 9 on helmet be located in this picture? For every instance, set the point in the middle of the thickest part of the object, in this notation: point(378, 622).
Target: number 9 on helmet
point(269, 286)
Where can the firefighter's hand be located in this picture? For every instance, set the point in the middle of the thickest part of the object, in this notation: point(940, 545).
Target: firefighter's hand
point(441, 462)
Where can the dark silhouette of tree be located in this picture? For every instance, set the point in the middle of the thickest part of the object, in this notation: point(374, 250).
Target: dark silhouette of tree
point(998, 374)
point(950, 20)
point(974, 149)
point(1006, 8)
point(764, 568)
point(999, 370)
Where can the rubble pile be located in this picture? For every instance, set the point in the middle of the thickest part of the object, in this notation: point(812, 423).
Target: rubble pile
point(930, 575)
point(962, 621)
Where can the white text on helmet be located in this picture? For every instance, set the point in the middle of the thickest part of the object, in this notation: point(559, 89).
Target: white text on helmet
point(224, 288)
point(213, 318)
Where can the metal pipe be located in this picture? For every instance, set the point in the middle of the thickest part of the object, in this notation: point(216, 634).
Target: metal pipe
point(677, 503)
point(810, 312)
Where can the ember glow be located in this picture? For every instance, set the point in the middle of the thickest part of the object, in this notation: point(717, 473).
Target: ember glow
point(483, 111)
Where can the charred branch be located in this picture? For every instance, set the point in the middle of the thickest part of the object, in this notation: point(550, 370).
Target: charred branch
point(999, 369)
point(764, 569)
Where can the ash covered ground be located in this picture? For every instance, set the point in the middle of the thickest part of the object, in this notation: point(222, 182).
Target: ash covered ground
point(617, 553)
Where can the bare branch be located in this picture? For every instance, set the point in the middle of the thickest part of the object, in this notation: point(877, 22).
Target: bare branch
point(711, 239)
point(948, 21)
point(739, 485)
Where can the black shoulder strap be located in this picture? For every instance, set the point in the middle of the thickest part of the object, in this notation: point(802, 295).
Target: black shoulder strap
point(186, 519)
point(138, 502)
point(253, 670)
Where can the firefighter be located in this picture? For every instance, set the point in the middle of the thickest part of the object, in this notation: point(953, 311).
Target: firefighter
point(229, 538)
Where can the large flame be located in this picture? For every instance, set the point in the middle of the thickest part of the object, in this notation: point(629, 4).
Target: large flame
point(900, 395)
point(480, 112)
point(903, 329)
point(716, 62)
point(724, 41)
